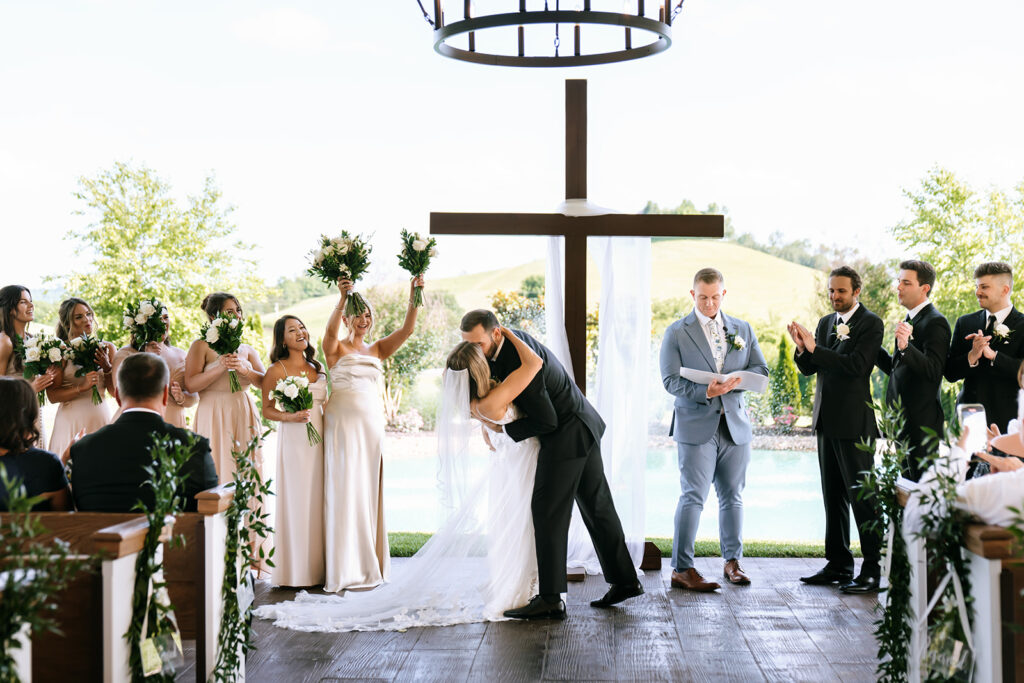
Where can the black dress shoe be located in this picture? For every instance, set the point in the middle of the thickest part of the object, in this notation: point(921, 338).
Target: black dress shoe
point(862, 584)
point(617, 593)
point(538, 608)
point(828, 576)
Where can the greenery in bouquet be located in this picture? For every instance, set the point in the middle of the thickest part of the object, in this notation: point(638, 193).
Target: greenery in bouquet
point(292, 395)
point(346, 257)
point(224, 335)
point(145, 322)
point(38, 353)
point(415, 258)
point(82, 352)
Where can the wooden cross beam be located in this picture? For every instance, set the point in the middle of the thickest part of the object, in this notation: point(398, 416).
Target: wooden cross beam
point(576, 230)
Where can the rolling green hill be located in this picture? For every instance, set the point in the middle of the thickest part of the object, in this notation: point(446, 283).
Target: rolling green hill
point(759, 288)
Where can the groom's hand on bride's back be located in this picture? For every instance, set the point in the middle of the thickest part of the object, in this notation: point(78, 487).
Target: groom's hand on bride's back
point(487, 437)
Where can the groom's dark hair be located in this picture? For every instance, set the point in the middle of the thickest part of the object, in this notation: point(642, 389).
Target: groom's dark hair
point(480, 316)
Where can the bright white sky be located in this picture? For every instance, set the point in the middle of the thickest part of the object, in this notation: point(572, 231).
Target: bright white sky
point(806, 117)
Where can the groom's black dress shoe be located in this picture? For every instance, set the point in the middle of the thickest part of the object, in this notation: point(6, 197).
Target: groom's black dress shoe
point(828, 576)
point(617, 593)
point(538, 608)
point(862, 584)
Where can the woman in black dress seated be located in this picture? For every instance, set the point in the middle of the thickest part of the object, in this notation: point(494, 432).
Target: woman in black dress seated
point(40, 472)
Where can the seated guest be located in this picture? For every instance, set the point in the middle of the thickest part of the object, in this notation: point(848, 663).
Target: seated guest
point(107, 472)
point(990, 498)
point(40, 472)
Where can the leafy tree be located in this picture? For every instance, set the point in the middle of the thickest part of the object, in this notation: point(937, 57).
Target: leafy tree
point(520, 311)
point(532, 287)
point(688, 208)
point(783, 384)
point(290, 291)
point(142, 242)
point(955, 228)
point(437, 331)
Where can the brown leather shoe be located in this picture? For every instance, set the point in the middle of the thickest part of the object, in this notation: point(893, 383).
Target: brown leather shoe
point(691, 580)
point(734, 575)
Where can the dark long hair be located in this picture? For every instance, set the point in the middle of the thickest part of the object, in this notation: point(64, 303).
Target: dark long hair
point(66, 315)
point(18, 412)
point(9, 298)
point(280, 350)
point(214, 302)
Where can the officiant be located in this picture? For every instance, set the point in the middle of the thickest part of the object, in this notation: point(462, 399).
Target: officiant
point(710, 425)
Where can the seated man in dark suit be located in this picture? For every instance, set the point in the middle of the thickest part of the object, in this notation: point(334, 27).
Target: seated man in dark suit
point(107, 472)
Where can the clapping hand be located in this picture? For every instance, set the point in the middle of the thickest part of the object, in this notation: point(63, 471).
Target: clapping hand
point(903, 333)
point(802, 337)
point(979, 343)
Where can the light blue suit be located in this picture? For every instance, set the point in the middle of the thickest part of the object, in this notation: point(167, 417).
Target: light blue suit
point(712, 435)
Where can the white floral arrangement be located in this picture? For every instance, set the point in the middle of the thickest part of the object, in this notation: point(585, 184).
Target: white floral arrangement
point(1002, 332)
point(38, 353)
point(292, 395)
point(346, 257)
point(224, 335)
point(145, 322)
point(843, 331)
point(415, 258)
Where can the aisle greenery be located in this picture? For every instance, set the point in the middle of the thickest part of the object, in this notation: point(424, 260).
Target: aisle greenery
point(33, 573)
point(247, 529)
point(154, 641)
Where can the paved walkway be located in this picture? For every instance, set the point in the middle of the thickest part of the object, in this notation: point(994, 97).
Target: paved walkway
point(777, 629)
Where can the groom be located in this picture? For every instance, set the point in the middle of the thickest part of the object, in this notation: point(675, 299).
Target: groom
point(569, 467)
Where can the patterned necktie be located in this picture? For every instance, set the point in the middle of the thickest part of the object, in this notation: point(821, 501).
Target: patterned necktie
point(717, 345)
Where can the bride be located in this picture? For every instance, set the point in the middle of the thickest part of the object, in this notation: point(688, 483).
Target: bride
point(482, 561)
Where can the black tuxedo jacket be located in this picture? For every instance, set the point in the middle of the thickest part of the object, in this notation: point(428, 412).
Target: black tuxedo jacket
point(842, 394)
point(106, 466)
point(993, 384)
point(555, 410)
point(915, 374)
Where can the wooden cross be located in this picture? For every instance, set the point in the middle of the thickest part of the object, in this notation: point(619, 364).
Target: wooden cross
point(576, 230)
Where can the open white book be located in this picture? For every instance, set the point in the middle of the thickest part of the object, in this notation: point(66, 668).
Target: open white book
point(749, 381)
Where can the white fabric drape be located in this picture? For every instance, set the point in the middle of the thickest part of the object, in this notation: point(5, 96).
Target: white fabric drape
point(624, 350)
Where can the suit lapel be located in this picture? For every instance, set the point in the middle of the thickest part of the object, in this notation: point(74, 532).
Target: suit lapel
point(696, 333)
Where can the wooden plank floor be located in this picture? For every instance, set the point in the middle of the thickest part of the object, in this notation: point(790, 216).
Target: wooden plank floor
point(777, 629)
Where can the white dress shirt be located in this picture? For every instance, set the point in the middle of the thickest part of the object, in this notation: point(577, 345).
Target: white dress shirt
point(844, 318)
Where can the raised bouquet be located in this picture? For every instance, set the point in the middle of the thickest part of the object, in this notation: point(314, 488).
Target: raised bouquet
point(83, 354)
point(345, 257)
point(415, 258)
point(38, 353)
point(145, 322)
point(224, 335)
point(290, 395)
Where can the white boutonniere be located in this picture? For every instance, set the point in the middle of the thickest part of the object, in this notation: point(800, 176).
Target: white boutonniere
point(842, 331)
point(736, 341)
point(1002, 332)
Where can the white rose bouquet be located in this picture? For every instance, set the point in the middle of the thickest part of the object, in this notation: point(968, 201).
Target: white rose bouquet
point(145, 322)
point(291, 395)
point(345, 257)
point(83, 354)
point(38, 353)
point(224, 335)
point(415, 258)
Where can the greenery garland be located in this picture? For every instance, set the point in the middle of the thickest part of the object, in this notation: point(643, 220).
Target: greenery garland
point(893, 629)
point(35, 573)
point(247, 529)
point(155, 654)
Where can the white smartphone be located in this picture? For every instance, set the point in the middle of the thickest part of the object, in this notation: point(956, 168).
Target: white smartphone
point(972, 416)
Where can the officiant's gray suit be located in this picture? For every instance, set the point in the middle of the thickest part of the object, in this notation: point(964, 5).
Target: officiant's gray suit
point(712, 434)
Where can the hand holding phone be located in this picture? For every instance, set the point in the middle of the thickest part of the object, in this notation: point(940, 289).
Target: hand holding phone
point(975, 428)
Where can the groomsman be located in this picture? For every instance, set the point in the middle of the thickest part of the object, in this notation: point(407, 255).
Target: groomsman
point(842, 352)
point(988, 345)
point(917, 362)
point(710, 425)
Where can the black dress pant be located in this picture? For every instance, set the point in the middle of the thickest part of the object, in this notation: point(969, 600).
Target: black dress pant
point(842, 471)
point(558, 482)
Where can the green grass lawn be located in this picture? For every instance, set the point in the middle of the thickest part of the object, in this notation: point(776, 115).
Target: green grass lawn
point(758, 285)
point(405, 544)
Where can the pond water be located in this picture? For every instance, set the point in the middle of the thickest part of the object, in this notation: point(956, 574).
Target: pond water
point(782, 498)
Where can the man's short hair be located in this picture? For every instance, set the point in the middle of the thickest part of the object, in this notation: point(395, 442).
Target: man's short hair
point(925, 272)
point(480, 316)
point(994, 268)
point(142, 376)
point(708, 276)
point(847, 271)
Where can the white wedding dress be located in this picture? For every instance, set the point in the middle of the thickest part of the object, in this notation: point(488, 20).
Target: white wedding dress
point(481, 562)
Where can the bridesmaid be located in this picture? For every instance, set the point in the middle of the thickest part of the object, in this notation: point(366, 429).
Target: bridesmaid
point(229, 420)
point(177, 398)
point(299, 520)
point(356, 540)
point(16, 312)
point(76, 413)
